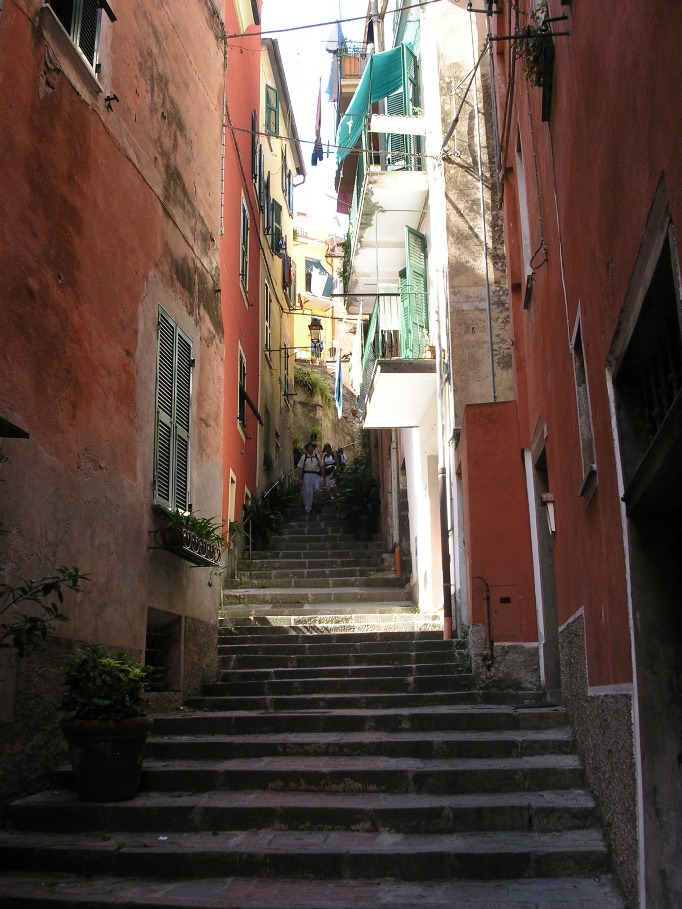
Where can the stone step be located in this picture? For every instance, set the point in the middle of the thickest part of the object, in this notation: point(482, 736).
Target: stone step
point(318, 579)
point(249, 809)
point(358, 701)
point(423, 745)
point(303, 664)
point(357, 682)
point(54, 891)
point(322, 597)
point(305, 854)
point(400, 628)
point(311, 560)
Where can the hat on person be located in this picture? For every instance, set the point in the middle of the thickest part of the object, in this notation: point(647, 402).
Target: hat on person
point(310, 442)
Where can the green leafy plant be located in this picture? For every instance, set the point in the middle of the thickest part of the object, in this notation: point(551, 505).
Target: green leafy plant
point(266, 514)
point(25, 631)
point(531, 43)
point(209, 529)
point(103, 686)
point(347, 245)
point(312, 383)
point(357, 493)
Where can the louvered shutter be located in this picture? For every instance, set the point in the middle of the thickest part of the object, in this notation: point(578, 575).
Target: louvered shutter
point(405, 315)
point(271, 110)
point(267, 209)
point(415, 254)
point(254, 145)
point(182, 419)
point(173, 409)
point(164, 412)
point(88, 30)
point(261, 177)
point(276, 226)
point(395, 142)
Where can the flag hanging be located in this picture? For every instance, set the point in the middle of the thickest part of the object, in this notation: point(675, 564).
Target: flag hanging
point(338, 384)
point(318, 151)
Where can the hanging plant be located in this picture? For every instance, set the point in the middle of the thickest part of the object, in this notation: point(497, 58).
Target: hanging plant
point(534, 45)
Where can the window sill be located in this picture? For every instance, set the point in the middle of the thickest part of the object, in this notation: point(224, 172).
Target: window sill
point(76, 68)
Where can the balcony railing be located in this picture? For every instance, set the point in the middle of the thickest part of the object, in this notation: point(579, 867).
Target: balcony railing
point(385, 336)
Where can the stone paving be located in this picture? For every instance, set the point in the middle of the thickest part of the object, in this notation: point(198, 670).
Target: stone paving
point(329, 768)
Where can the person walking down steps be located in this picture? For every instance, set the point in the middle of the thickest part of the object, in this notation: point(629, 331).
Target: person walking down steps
point(311, 472)
point(330, 461)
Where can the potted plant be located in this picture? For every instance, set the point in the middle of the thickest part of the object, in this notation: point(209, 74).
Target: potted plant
point(535, 45)
point(108, 724)
point(357, 497)
point(198, 540)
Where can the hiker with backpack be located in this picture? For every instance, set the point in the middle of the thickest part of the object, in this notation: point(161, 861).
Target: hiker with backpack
point(311, 473)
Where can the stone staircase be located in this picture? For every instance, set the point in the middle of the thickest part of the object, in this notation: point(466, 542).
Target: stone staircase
point(343, 759)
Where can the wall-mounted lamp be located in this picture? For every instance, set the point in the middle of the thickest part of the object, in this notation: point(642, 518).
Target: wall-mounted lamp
point(547, 502)
point(316, 343)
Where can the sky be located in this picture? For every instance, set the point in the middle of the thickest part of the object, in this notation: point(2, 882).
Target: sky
point(307, 65)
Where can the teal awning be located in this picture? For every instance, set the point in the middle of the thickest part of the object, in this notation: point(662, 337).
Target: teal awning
point(383, 75)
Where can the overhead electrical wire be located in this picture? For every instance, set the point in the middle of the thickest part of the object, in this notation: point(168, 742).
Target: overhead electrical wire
point(298, 28)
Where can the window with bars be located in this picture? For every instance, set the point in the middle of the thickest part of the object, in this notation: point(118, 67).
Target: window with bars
point(271, 110)
point(82, 21)
point(173, 413)
point(244, 246)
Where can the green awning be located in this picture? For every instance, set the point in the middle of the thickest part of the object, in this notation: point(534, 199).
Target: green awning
point(383, 75)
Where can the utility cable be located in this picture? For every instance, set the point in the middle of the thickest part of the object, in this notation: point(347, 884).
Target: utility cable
point(298, 28)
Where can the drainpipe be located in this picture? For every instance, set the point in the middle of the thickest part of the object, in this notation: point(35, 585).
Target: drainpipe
point(395, 502)
point(442, 476)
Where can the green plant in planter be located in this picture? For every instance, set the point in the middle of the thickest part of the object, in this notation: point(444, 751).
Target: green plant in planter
point(533, 39)
point(357, 496)
point(108, 724)
point(102, 686)
point(209, 529)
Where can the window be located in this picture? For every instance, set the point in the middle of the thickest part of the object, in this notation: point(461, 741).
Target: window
point(241, 409)
point(271, 110)
point(276, 227)
point(584, 416)
point(267, 317)
point(82, 21)
point(173, 409)
point(244, 247)
point(648, 391)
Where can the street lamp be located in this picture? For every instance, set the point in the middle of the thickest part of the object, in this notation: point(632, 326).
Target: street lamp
point(316, 343)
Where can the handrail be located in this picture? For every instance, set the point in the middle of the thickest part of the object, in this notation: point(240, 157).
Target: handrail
point(244, 525)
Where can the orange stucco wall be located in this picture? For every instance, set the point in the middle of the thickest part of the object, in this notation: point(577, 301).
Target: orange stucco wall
point(106, 213)
point(496, 523)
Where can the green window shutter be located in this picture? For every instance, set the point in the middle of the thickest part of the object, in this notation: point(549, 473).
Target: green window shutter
point(173, 409)
point(183, 396)
point(405, 315)
point(267, 206)
point(254, 145)
point(261, 178)
point(402, 103)
point(276, 222)
point(416, 289)
point(271, 110)
point(164, 412)
point(244, 246)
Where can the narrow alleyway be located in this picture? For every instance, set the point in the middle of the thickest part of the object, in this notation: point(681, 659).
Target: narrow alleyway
point(343, 759)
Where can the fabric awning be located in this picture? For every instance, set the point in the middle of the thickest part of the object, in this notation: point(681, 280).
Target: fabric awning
point(383, 75)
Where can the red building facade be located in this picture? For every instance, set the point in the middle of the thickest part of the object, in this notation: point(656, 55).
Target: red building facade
point(240, 257)
point(589, 138)
point(111, 395)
